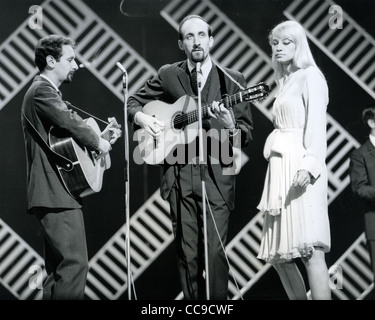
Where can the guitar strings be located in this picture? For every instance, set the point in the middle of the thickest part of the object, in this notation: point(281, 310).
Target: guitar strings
point(192, 116)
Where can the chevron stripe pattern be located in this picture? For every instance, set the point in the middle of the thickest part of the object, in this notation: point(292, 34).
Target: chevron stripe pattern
point(339, 141)
point(351, 47)
point(16, 260)
point(99, 48)
point(150, 234)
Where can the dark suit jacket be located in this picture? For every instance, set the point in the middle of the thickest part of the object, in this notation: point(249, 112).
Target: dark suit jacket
point(362, 174)
point(172, 82)
point(44, 107)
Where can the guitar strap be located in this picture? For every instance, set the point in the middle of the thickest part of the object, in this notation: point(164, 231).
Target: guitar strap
point(56, 158)
point(229, 76)
point(222, 82)
point(223, 87)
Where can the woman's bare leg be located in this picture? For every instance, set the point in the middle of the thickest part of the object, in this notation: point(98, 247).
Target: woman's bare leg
point(292, 280)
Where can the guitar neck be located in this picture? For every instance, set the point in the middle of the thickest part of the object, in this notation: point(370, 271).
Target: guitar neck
point(228, 102)
point(106, 135)
point(259, 91)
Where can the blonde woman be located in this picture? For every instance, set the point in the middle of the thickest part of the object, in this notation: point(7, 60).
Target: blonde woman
point(294, 198)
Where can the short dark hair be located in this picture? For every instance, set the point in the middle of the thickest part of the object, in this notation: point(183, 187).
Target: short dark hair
point(368, 113)
point(192, 16)
point(50, 46)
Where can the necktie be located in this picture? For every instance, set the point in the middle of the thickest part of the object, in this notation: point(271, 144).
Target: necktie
point(193, 80)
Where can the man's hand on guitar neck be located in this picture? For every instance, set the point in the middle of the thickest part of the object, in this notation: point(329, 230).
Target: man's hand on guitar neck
point(105, 146)
point(114, 128)
point(152, 125)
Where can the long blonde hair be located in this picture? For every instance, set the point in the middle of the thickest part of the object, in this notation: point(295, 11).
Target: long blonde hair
point(303, 57)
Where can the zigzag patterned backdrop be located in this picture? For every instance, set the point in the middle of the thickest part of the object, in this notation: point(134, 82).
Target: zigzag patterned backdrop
point(143, 36)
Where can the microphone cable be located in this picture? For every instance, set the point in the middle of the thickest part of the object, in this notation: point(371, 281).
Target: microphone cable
point(222, 246)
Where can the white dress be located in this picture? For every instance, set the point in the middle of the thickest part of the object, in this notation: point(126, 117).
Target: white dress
point(296, 219)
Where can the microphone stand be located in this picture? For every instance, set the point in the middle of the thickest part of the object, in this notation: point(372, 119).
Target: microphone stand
point(126, 138)
point(203, 178)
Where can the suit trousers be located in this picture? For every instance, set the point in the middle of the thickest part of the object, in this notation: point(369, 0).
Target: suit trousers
point(65, 253)
point(187, 219)
point(369, 220)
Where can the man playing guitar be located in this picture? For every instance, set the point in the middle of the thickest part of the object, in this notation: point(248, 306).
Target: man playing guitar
point(59, 213)
point(181, 182)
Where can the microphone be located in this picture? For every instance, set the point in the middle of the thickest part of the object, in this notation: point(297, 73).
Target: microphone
point(84, 65)
point(124, 74)
point(121, 67)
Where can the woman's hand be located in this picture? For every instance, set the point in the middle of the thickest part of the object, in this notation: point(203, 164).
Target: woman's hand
point(302, 179)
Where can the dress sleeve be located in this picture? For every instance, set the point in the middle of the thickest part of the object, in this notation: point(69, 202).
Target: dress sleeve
point(315, 96)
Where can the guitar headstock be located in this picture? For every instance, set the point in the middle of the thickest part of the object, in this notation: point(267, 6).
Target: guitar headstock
point(113, 123)
point(259, 91)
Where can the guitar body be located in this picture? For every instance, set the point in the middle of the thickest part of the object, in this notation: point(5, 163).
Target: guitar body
point(86, 177)
point(181, 123)
point(155, 150)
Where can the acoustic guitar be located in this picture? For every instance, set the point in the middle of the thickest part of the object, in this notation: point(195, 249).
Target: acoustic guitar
point(86, 176)
point(181, 122)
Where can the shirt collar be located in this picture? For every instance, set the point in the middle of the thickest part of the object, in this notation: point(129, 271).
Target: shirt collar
point(50, 81)
point(205, 68)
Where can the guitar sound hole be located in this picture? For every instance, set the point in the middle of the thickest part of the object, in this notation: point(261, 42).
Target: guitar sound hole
point(179, 121)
